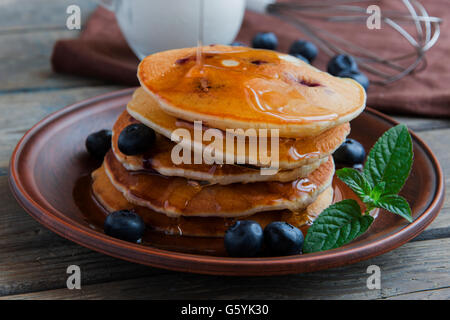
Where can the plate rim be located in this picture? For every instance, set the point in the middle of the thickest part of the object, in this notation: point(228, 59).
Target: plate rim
point(261, 266)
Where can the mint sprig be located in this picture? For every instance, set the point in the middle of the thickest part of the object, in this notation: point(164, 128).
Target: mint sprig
point(390, 159)
point(385, 172)
point(339, 224)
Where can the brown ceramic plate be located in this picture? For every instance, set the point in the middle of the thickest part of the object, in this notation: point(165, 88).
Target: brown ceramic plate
point(51, 157)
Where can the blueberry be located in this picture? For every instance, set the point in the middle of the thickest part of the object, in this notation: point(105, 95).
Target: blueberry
point(340, 63)
point(244, 239)
point(98, 143)
point(357, 76)
point(125, 225)
point(299, 56)
point(283, 239)
point(265, 40)
point(351, 152)
point(136, 139)
point(304, 48)
point(238, 44)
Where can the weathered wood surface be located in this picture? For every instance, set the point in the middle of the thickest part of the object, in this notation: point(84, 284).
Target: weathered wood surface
point(22, 110)
point(33, 260)
point(26, 65)
point(416, 268)
point(28, 30)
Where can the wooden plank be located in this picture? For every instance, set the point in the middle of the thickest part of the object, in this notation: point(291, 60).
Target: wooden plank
point(30, 70)
point(415, 267)
point(33, 258)
point(23, 15)
point(423, 124)
point(435, 294)
point(437, 140)
point(21, 111)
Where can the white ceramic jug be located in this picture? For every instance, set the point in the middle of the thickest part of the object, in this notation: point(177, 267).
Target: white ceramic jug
point(155, 25)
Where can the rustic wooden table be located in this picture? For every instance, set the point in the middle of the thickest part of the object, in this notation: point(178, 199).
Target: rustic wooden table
point(33, 260)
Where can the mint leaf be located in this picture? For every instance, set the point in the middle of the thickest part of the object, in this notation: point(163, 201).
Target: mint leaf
point(356, 181)
point(385, 172)
point(395, 204)
point(337, 225)
point(390, 160)
point(378, 191)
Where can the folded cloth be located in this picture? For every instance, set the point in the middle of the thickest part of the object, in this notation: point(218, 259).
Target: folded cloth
point(102, 52)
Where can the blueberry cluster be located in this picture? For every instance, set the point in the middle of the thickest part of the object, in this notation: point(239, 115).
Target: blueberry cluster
point(342, 65)
point(345, 66)
point(246, 238)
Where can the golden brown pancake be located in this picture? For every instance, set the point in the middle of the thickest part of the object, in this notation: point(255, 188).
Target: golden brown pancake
point(176, 196)
point(293, 153)
point(112, 200)
point(239, 87)
point(159, 159)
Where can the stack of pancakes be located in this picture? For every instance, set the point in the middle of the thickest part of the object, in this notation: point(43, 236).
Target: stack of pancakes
point(229, 88)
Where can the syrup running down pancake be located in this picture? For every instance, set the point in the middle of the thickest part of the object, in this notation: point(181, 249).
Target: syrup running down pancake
point(237, 87)
point(176, 196)
point(293, 153)
point(112, 200)
point(159, 159)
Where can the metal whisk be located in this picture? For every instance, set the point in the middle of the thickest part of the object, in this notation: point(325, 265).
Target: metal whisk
point(386, 70)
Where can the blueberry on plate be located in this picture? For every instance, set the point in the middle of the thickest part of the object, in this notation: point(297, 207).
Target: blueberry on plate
point(305, 48)
point(299, 56)
point(125, 225)
point(351, 152)
point(98, 143)
point(237, 44)
point(340, 63)
point(283, 239)
point(357, 76)
point(265, 40)
point(136, 139)
point(244, 239)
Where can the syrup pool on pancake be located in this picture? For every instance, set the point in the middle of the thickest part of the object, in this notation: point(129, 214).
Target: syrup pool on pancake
point(247, 88)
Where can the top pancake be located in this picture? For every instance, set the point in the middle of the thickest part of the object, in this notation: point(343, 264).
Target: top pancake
point(246, 88)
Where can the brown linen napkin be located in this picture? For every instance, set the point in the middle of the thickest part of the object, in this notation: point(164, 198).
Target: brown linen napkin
point(102, 52)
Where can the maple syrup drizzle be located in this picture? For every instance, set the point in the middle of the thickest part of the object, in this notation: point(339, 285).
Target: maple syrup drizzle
point(199, 58)
point(249, 76)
